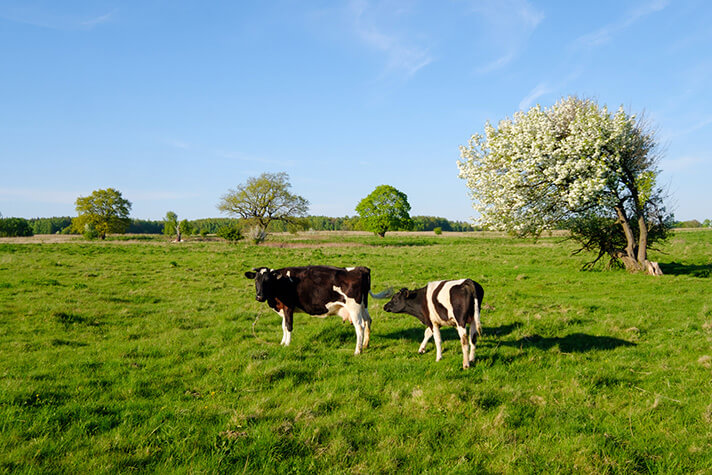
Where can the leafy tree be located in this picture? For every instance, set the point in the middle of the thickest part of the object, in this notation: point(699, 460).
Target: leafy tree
point(385, 209)
point(575, 163)
point(104, 211)
point(170, 224)
point(185, 227)
point(264, 199)
point(14, 227)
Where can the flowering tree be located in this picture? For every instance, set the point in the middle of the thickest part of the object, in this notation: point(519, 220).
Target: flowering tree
point(573, 164)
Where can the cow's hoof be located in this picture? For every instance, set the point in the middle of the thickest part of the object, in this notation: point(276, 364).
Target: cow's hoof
point(465, 365)
point(420, 352)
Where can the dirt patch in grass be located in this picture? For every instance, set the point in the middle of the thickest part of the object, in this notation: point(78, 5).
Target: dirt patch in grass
point(304, 245)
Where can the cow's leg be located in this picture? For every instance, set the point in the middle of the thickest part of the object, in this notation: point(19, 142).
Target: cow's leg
point(287, 321)
point(426, 339)
point(474, 333)
point(366, 327)
point(358, 326)
point(475, 330)
point(462, 332)
point(357, 320)
point(438, 342)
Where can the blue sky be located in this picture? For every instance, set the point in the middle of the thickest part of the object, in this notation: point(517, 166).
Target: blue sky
point(174, 103)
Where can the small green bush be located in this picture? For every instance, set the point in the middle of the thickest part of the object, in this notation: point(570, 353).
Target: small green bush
point(438, 230)
point(90, 232)
point(230, 233)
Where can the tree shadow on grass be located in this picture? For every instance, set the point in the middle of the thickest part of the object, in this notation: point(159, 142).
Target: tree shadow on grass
point(573, 343)
point(676, 268)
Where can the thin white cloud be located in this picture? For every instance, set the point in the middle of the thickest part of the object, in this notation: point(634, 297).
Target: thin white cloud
point(702, 124)
point(681, 163)
point(606, 33)
point(540, 90)
point(544, 88)
point(99, 20)
point(53, 20)
point(178, 144)
point(152, 195)
point(509, 24)
point(247, 158)
point(36, 195)
point(403, 56)
point(497, 63)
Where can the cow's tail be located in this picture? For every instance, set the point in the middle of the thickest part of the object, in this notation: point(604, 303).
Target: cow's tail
point(478, 295)
point(478, 324)
point(382, 295)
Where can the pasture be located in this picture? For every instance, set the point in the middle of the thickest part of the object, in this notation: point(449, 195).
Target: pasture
point(147, 356)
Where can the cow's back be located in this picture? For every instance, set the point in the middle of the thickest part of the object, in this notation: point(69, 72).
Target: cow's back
point(317, 286)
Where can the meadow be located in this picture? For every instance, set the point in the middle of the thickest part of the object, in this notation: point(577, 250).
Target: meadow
point(151, 356)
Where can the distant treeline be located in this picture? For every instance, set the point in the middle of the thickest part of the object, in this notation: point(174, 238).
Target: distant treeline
point(63, 224)
point(693, 223)
point(326, 223)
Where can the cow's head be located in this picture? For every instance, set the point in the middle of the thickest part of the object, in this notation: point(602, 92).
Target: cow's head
point(399, 301)
point(265, 281)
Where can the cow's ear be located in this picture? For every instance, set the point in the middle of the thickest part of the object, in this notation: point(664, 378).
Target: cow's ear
point(250, 275)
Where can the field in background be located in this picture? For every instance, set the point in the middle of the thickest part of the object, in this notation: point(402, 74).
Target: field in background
point(154, 356)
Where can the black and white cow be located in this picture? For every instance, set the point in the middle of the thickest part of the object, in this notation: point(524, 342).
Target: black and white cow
point(444, 303)
point(318, 291)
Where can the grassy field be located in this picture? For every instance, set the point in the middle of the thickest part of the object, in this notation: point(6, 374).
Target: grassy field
point(154, 356)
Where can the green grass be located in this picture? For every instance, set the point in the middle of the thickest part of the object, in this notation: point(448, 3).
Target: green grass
point(141, 356)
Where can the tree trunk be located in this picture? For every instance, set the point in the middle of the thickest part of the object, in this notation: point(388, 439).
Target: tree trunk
point(629, 237)
point(642, 240)
point(632, 260)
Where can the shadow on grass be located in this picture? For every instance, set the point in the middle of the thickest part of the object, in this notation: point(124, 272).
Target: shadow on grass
point(573, 343)
point(676, 268)
point(449, 333)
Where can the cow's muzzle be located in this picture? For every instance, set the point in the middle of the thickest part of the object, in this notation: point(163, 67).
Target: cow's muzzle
point(260, 298)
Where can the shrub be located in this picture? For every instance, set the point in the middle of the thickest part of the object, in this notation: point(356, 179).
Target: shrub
point(438, 230)
point(230, 233)
point(90, 231)
point(257, 234)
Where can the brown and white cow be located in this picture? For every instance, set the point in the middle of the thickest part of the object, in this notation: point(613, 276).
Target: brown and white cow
point(444, 303)
point(318, 291)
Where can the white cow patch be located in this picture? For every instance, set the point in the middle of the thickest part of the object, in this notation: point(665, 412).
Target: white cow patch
point(354, 313)
point(442, 297)
point(286, 334)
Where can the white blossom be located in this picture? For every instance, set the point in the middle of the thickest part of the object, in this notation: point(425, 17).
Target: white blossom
point(532, 170)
